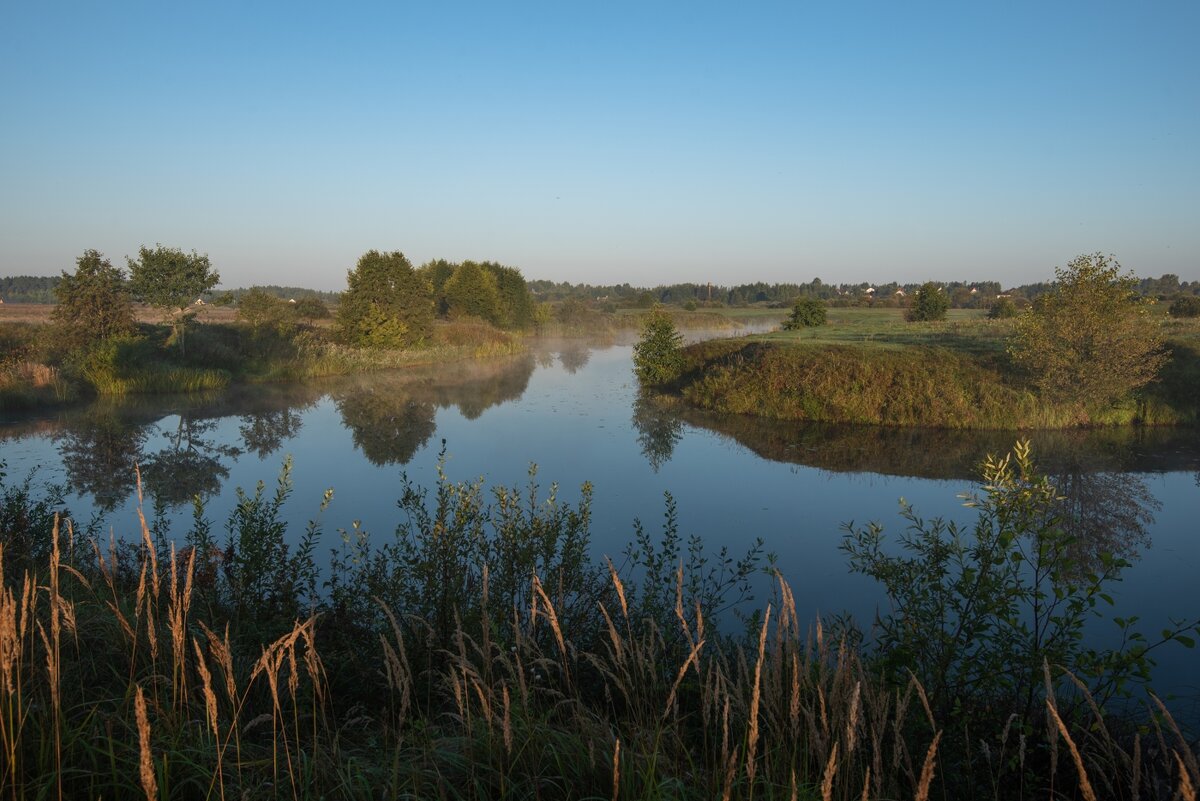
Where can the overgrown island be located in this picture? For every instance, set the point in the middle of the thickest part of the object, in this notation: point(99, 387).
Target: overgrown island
point(477, 652)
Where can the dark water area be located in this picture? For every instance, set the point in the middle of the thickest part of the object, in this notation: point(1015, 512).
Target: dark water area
point(573, 409)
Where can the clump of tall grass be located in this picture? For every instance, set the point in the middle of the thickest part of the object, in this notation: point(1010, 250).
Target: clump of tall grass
point(127, 669)
point(27, 376)
point(25, 384)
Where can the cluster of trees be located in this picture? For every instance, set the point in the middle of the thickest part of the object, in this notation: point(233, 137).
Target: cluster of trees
point(96, 302)
point(389, 304)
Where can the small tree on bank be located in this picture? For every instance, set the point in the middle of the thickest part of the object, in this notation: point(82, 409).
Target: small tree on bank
point(930, 304)
point(171, 280)
point(93, 303)
point(807, 312)
point(658, 356)
point(1089, 338)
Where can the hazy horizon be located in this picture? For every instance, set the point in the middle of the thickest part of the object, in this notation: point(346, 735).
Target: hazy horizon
point(605, 144)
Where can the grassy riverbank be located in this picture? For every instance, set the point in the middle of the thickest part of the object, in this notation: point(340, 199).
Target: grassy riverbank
point(476, 654)
point(219, 351)
point(215, 354)
point(871, 367)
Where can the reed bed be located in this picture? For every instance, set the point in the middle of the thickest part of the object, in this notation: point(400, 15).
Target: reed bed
point(122, 675)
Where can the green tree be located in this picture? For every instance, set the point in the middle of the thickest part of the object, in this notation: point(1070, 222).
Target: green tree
point(311, 308)
point(807, 312)
point(515, 307)
point(1089, 338)
point(930, 303)
point(387, 304)
point(171, 280)
point(658, 357)
point(93, 303)
point(1002, 309)
point(472, 292)
point(260, 309)
point(437, 272)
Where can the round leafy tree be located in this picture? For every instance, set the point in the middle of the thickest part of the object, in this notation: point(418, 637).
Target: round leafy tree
point(387, 304)
point(1089, 338)
point(657, 357)
point(171, 280)
point(930, 303)
point(93, 304)
point(807, 312)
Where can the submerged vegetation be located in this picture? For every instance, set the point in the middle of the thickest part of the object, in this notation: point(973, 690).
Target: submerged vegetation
point(476, 652)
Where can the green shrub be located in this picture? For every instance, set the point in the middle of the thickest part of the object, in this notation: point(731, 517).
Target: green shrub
point(980, 614)
point(1002, 309)
point(930, 304)
point(657, 359)
point(807, 312)
point(1185, 306)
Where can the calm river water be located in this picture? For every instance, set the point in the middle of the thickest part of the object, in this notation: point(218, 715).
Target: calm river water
point(573, 409)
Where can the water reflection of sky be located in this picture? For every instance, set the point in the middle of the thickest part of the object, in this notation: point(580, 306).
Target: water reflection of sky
point(571, 411)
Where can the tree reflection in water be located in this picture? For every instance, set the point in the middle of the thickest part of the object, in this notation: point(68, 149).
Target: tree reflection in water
point(391, 417)
point(190, 466)
point(573, 359)
point(1106, 513)
point(263, 433)
point(658, 429)
point(100, 456)
point(386, 425)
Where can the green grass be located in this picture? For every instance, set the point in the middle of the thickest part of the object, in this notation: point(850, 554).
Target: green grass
point(869, 366)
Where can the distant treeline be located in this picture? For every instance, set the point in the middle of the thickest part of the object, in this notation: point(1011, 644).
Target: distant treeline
point(28, 288)
point(40, 289)
point(283, 293)
point(963, 294)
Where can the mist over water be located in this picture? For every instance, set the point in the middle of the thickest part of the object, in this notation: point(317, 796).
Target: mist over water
point(573, 409)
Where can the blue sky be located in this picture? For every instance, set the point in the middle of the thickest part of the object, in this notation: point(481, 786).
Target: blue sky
point(605, 141)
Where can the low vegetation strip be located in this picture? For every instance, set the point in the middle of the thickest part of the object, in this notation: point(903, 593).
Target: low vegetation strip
point(477, 654)
point(908, 385)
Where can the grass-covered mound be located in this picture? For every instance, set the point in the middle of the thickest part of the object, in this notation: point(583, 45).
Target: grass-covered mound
point(906, 385)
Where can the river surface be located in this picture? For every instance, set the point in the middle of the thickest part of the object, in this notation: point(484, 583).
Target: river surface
point(573, 410)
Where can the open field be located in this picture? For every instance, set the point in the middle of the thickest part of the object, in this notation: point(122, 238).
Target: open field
point(38, 313)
